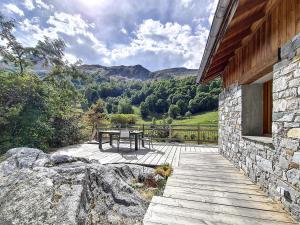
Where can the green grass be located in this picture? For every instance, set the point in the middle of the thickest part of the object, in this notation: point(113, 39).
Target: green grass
point(206, 117)
point(201, 118)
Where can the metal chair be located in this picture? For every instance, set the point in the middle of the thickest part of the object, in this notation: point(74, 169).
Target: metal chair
point(124, 135)
point(148, 138)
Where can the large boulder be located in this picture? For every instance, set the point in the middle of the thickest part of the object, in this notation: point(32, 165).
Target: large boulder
point(37, 188)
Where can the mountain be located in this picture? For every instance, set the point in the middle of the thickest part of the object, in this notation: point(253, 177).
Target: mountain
point(137, 72)
point(173, 72)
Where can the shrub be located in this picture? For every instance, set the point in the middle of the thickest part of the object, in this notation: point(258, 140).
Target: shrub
point(123, 119)
point(188, 114)
point(164, 170)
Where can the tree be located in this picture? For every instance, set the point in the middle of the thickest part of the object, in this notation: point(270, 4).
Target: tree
point(144, 110)
point(161, 106)
point(151, 101)
point(125, 107)
point(11, 50)
point(96, 114)
point(50, 52)
point(182, 106)
point(174, 111)
point(37, 113)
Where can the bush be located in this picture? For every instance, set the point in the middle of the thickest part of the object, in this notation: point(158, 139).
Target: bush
point(164, 170)
point(125, 107)
point(188, 114)
point(123, 119)
point(36, 113)
point(174, 111)
point(144, 110)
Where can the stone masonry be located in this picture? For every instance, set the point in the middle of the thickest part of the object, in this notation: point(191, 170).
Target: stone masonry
point(274, 164)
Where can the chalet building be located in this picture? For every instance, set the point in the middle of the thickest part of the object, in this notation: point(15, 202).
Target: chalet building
point(254, 46)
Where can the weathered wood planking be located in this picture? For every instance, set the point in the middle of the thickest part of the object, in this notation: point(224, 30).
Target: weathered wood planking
point(198, 192)
point(161, 153)
point(249, 47)
point(257, 55)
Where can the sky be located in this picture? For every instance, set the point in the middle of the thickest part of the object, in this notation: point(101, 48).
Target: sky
point(156, 34)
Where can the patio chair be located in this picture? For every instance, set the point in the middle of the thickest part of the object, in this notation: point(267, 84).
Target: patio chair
point(124, 135)
point(148, 138)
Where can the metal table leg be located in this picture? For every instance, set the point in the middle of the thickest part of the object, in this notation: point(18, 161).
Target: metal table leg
point(136, 142)
point(110, 139)
point(100, 140)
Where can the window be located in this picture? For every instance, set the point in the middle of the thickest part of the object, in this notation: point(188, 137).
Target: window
point(257, 107)
point(267, 108)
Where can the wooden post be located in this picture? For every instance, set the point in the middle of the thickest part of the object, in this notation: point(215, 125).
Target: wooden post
point(144, 128)
point(198, 134)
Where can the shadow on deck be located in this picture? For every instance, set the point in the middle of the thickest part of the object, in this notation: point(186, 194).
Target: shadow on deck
point(161, 153)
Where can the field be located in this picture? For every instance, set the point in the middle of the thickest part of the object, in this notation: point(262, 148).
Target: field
point(201, 118)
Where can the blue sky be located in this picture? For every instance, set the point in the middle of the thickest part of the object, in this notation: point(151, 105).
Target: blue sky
point(157, 34)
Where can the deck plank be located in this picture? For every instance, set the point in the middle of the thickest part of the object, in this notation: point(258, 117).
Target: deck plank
point(205, 188)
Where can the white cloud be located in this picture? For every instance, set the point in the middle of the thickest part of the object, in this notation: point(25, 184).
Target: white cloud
point(80, 41)
point(120, 31)
point(61, 24)
point(29, 4)
point(70, 58)
point(186, 3)
point(171, 39)
point(43, 5)
point(124, 31)
point(14, 9)
point(211, 8)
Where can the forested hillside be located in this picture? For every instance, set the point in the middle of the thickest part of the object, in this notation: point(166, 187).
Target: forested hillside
point(172, 97)
point(55, 108)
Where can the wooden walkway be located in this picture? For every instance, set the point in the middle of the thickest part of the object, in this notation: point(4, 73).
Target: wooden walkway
point(161, 153)
point(207, 189)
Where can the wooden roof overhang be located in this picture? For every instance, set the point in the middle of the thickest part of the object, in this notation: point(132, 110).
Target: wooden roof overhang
point(233, 24)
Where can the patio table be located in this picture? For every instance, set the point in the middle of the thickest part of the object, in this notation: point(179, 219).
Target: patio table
point(111, 133)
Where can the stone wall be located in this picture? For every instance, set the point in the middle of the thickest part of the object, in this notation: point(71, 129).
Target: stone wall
point(272, 164)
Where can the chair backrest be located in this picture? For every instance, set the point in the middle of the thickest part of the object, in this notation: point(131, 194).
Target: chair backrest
point(124, 133)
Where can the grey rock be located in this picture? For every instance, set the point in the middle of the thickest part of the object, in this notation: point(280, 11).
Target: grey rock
point(293, 176)
point(40, 189)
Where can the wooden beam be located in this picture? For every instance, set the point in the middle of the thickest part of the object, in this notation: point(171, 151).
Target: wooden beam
point(228, 44)
point(212, 77)
point(246, 23)
point(250, 4)
point(216, 69)
point(216, 63)
point(234, 35)
point(230, 48)
point(219, 57)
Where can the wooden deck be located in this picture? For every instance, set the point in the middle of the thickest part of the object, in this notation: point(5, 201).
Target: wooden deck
point(207, 189)
point(161, 153)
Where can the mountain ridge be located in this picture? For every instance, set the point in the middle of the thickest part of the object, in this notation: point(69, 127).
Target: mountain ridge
point(134, 72)
point(137, 72)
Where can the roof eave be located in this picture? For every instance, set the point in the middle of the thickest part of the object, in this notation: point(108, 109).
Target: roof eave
point(223, 15)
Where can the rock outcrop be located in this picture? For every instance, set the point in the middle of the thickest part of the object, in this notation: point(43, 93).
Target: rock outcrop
point(37, 188)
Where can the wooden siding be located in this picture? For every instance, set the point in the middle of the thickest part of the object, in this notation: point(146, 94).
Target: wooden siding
point(260, 50)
